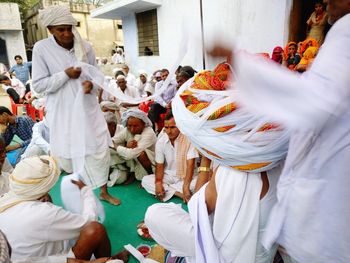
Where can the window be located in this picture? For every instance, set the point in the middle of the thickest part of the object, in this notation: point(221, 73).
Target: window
point(147, 28)
point(120, 26)
point(78, 24)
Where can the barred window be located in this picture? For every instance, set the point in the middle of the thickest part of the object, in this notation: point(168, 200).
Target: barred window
point(147, 30)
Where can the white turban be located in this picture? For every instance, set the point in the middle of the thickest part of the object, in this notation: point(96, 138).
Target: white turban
point(136, 113)
point(31, 179)
point(110, 117)
point(109, 105)
point(121, 77)
point(57, 15)
point(143, 72)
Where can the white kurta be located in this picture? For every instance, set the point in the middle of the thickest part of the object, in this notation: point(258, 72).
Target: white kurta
point(40, 143)
point(49, 62)
point(311, 218)
point(166, 154)
point(41, 229)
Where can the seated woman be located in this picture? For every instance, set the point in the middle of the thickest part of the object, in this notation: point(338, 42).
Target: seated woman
point(292, 58)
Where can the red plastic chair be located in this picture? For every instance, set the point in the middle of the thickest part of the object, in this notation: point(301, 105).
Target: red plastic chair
point(15, 106)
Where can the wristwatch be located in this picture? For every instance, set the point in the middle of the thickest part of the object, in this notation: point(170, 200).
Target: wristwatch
point(203, 169)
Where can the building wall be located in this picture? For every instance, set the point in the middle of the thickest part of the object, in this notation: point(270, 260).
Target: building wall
point(256, 26)
point(174, 17)
point(101, 33)
point(11, 32)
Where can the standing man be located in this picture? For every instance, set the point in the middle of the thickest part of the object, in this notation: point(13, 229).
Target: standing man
point(22, 70)
point(54, 73)
point(311, 217)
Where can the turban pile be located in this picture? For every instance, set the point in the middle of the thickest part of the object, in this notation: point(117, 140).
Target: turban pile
point(31, 179)
point(206, 111)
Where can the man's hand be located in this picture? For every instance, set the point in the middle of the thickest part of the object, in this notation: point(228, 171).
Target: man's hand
point(220, 50)
point(10, 148)
point(131, 144)
point(160, 193)
point(73, 73)
point(78, 183)
point(87, 85)
point(186, 192)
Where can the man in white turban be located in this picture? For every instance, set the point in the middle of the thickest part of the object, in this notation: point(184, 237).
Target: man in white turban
point(36, 228)
point(78, 138)
point(135, 146)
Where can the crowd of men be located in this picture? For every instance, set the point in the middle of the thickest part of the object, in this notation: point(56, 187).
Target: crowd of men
point(296, 209)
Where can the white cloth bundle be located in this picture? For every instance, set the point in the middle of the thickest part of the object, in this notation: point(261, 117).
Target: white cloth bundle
point(244, 146)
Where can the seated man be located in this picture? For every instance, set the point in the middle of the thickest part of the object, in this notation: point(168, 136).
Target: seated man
point(36, 228)
point(229, 214)
point(14, 87)
point(175, 164)
point(16, 125)
point(40, 143)
point(128, 90)
point(134, 146)
point(5, 168)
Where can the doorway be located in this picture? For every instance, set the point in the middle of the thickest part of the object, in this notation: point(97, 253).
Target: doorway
point(3, 53)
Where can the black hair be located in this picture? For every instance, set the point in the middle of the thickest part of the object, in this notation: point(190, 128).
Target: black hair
point(5, 110)
point(3, 77)
point(187, 71)
point(169, 115)
point(164, 70)
point(118, 73)
point(18, 56)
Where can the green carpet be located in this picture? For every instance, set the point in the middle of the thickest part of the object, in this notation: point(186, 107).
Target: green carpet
point(121, 221)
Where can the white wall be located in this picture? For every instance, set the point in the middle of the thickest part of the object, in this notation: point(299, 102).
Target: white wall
point(174, 17)
point(11, 31)
point(255, 25)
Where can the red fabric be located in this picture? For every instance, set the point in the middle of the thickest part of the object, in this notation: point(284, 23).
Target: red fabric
point(277, 55)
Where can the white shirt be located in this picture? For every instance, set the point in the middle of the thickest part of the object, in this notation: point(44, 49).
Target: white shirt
point(145, 141)
point(38, 229)
point(40, 137)
point(49, 62)
point(18, 86)
point(130, 91)
point(311, 218)
point(118, 59)
point(166, 153)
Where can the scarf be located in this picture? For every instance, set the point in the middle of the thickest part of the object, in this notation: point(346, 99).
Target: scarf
point(183, 145)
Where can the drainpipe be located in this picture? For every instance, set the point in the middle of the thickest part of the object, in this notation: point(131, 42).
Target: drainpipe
point(202, 31)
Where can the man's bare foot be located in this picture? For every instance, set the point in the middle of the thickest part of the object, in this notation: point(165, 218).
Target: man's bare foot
point(123, 255)
point(110, 199)
point(130, 180)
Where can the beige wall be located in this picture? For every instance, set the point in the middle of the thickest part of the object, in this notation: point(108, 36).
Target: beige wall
point(101, 33)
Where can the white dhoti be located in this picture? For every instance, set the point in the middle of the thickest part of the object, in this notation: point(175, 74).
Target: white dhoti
point(171, 184)
point(96, 168)
point(173, 228)
point(121, 167)
point(33, 150)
